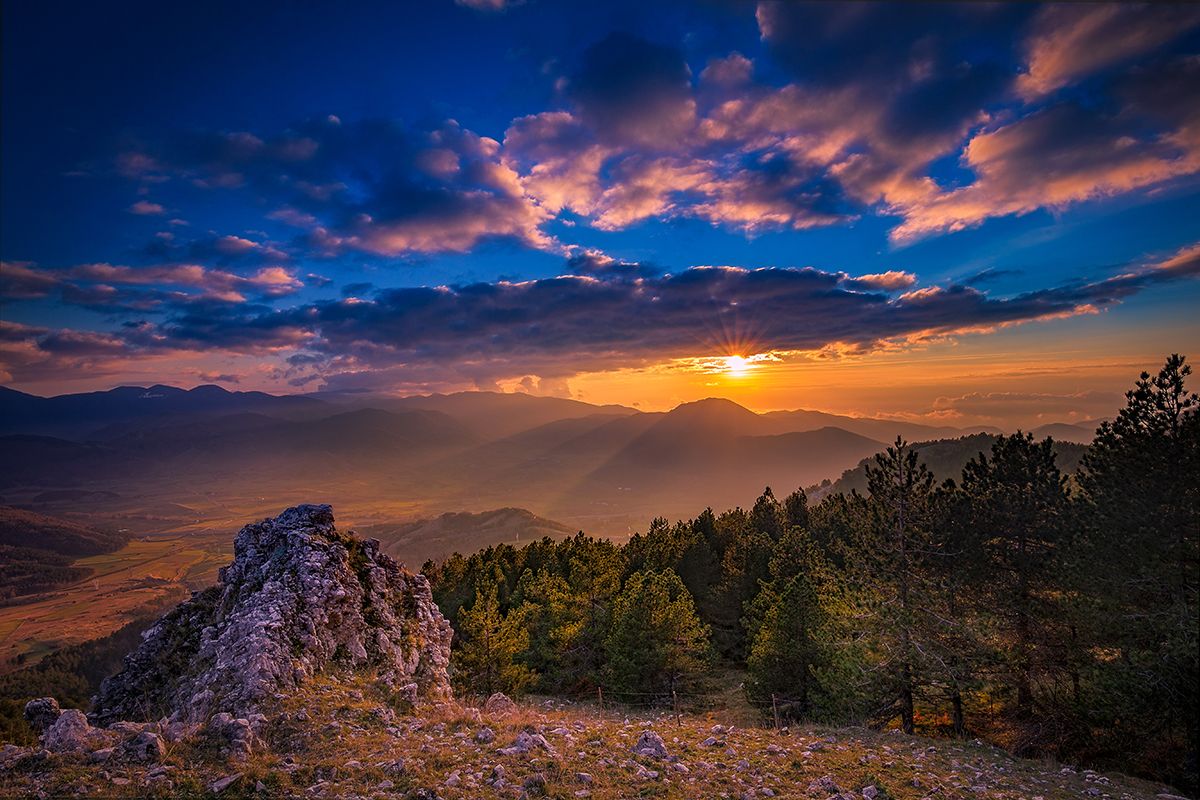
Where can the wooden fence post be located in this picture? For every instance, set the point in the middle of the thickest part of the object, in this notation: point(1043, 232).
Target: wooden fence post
point(675, 705)
point(775, 710)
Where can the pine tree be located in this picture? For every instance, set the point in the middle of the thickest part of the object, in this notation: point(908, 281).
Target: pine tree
point(789, 644)
point(489, 644)
point(656, 644)
point(1141, 519)
point(889, 559)
point(1017, 508)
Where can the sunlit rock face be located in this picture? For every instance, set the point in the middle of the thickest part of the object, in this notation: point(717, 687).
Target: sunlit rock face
point(300, 598)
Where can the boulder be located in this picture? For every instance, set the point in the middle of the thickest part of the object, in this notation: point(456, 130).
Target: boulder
point(650, 744)
point(42, 713)
point(499, 705)
point(70, 733)
point(146, 746)
point(300, 598)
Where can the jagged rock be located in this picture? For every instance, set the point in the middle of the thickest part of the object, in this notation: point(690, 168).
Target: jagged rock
point(499, 705)
point(298, 599)
point(69, 733)
point(42, 713)
point(525, 742)
point(11, 754)
point(650, 744)
point(485, 735)
point(146, 746)
point(236, 736)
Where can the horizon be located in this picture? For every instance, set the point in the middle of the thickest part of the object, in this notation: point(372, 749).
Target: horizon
point(368, 395)
point(993, 215)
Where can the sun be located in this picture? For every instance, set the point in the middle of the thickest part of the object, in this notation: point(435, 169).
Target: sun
point(736, 366)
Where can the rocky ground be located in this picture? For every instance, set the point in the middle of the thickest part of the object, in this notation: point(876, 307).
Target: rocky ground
point(349, 738)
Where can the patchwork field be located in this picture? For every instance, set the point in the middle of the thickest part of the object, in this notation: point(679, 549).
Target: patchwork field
point(144, 574)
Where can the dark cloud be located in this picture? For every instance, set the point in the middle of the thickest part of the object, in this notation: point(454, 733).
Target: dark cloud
point(606, 315)
point(631, 91)
point(373, 185)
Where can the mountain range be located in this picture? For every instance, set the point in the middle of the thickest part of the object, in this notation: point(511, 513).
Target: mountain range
point(149, 455)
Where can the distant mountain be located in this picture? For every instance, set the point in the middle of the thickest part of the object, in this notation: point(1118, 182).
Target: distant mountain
point(946, 459)
point(885, 430)
point(416, 541)
point(78, 415)
point(493, 415)
point(1081, 433)
point(161, 455)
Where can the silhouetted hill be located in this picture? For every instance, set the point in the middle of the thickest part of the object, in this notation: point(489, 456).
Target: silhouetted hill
point(885, 430)
point(416, 541)
point(493, 415)
point(946, 459)
point(80, 414)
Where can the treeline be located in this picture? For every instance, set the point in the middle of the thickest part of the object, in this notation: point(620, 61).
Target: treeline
point(1055, 615)
point(72, 674)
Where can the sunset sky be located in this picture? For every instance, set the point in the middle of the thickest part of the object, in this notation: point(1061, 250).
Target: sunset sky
point(960, 214)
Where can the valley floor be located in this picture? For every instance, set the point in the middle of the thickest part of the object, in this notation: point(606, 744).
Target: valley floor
point(343, 740)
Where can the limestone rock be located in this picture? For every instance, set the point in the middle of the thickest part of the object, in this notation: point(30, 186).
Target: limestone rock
point(299, 598)
point(650, 744)
point(146, 746)
point(499, 705)
point(70, 733)
point(42, 713)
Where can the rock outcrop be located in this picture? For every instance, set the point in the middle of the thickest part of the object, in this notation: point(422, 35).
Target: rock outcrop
point(299, 598)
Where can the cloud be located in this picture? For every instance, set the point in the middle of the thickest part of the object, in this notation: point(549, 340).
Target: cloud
point(603, 315)
point(146, 208)
point(374, 186)
point(1070, 41)
point(20, 281)
point(1063, 155)
point(890, 281)
point(1027, 408)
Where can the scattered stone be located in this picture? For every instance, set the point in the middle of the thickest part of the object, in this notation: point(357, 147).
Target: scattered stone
point(146, 746)
point(69, 733)
point(485, 736)
point(221, 784)
point(525, 742)
point(236, 736)
point(869, 793)
point(650, 744)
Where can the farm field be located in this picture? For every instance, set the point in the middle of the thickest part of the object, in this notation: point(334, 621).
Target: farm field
point(144, 574)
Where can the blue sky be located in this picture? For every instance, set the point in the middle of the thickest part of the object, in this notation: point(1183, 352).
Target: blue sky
point(236, 192)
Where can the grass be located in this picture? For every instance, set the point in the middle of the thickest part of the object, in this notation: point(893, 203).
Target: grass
point(342, 739)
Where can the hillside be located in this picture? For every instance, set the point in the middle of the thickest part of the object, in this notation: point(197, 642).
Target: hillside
point(945, 459)
point(464, 532)
point(348, 738)
point(37, 552)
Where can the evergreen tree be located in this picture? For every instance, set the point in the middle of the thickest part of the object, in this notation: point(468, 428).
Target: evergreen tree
point(889, 561)
point(656, 644)
point(489, 645)
point(1141, 567)
point(1017, 506)
point(788, 639)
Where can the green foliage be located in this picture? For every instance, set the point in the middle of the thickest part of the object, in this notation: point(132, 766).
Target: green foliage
point(486, 660)
point(1138, 574)
point(656, 645)
point(790, 643)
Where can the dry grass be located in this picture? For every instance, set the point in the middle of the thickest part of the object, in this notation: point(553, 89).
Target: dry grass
point(343, 739)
